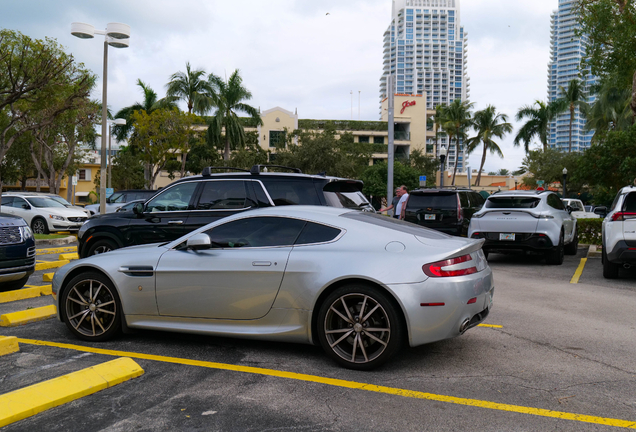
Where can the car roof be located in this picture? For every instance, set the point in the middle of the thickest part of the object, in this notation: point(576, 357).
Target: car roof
point(435, 190)
point(513, 193)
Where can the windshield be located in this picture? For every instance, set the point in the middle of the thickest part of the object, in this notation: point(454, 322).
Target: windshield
point(116, 198)
point(432, 202)
point(43, 202)
point(61, 201)
point(512, 202)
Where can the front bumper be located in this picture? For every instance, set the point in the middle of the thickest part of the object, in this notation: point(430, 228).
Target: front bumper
point(436, 308)
point(624, 252)
point(17, 261)
point(523, 241)
point(66, 226)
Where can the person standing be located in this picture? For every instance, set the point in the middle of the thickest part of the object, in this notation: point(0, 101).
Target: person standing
point(400, 209)
point(394, 203)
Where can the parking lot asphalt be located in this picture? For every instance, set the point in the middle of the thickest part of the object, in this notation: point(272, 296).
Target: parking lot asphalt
point(564, 358)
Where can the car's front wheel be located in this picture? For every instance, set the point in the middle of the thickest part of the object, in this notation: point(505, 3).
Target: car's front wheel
point(91, 308)
point(101, 246)
point(556, 255)
point(39, 226)
point(359, 327)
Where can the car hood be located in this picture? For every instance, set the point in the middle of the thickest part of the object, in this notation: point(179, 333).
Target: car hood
point(11, 220)
point(63, 211)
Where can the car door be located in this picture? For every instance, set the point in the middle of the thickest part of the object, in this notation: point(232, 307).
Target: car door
point(238, 278)
point(20, 207)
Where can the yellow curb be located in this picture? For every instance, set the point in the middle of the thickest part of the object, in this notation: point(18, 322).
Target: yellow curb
point(47, 277)
point(26, 402)
point(27, 316)
point(21, 294)
point(45, 265)
point(46, 290)
point(490, 325)
point(8, 345)
point(50, 251)
point(68, 256)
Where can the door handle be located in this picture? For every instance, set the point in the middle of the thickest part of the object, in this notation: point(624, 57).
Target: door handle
point(261, 263)
point(175, 222)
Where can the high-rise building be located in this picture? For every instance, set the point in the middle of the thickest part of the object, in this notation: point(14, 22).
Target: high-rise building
point(566, 52)
point(425, 50)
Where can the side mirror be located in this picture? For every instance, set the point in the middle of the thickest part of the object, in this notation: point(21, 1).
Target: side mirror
point(601, 211)
point(138, 208)
point(199, 242)
point(569, 209)
point(26, 207)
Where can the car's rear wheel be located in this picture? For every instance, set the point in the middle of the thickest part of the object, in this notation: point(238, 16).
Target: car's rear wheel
point(91, 308)
point(359, 327)
point(610, 270)
point(101, 246)
point(556, 255)
point(39, 226)
point(573, 247)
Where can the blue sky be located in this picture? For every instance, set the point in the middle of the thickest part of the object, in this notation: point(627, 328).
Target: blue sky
point(292, 54)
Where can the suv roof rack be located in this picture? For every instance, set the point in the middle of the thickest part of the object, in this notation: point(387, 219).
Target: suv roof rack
point(207, 171)
point(256, 169)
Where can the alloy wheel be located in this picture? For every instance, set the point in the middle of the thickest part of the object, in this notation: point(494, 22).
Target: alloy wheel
point(38, 226)
point(101, 249)
point(91, 308)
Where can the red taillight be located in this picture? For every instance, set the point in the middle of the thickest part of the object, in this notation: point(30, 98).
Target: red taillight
point(437, 269)
point(621, 216)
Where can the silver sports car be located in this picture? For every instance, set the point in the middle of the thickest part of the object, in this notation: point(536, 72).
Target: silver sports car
point(358, 284)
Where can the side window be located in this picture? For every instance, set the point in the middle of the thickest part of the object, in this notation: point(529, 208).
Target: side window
point(616, 199)
point(256, 232)
point(290, 192)
point(630, 203)
point(20, 203)
point(463, 199)
point(174, 199)
point(317, 233)
point(260, 194)
point(7, 201)
point(555, 202)
point(223, 195)
point(476, 200)
point(119, 198)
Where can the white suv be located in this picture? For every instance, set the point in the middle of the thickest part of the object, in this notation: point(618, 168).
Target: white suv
point(526, 220)
point(619, 233)
point(42, 213)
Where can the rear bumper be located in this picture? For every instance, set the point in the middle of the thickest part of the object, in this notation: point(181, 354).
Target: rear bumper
point(624, 252)
point(523, 241)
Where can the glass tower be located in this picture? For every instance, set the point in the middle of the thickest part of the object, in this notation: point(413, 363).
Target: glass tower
point(566, 52)
point(425, 50)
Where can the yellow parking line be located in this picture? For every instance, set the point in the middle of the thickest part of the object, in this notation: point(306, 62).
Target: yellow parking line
point(579, 271)
point(23, 403)
point(490, 325)
point(350, 385)
point(27, 316)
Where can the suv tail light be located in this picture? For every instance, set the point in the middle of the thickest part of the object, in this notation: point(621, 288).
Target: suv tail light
point(622, 216)
point(451, 267)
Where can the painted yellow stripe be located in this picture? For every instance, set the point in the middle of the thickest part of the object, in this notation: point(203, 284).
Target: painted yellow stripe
point(21, 294)
point(350, 385)
point(59, 250)
point(45, 265)
point(23, 403)
point(579, 271)
point(490, 325)
point(27, 316)
point(68, 256)
point(47, 277)
point(8, 345)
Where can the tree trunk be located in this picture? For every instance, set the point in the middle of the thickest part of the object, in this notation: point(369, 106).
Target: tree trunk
point(37, 181)
point(38, 167)
point(481, 167)
point(183, 162)
point(571, 121)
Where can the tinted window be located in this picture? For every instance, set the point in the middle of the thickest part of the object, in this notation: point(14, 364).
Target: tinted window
point(317, 233)
point(286, 192)
point(117, 198)
point(512, 202)
point(19, 203)
point(7, 201)
point(630, 203)
point(476, 200)
point(434, 201)
point(256, 232)
point(218, 195)
point(463, 199)
point(174, 199)
point(43, 202)
point(555, 202)
point(261, 196)
point(615, 201)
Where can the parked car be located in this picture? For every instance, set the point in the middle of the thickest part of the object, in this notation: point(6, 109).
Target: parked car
point(192, 202)
point(57, 198)
point(534, 221)
point(447, 210)
point(17, 252)
point(119, 198)
point(619, 233)
point(42, 213)
point(303, 274)
point(579, 211)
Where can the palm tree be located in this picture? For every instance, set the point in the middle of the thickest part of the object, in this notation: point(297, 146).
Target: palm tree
point(611, 111)
point(438, 119)
point(150, 103)
point(457, 118)
point(191, 87)
point(539, 116)
point(572, 98)
point(488, 124)
point(228, 97)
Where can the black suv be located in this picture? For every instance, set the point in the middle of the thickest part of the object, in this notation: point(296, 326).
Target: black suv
point(17, 252)
point(192, 202)
point(447, 210)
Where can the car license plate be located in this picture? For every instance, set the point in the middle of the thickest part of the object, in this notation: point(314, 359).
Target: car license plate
point(429, 217)
point(509, 237)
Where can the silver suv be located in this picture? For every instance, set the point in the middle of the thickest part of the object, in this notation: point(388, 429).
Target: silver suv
point(526, 220)
point(619, 233)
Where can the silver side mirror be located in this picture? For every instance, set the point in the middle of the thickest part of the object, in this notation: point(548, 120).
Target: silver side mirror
point(199, 242)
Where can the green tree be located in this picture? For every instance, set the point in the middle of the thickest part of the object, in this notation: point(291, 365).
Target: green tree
point(547, 165)
point(228, 97)
point(375, 178)
point(572, 98)
point(488, 124)
point(457, 119)
point(539, 116)
point(438, 120)
point(128, 170)
point(191, 87)
point(610, 111)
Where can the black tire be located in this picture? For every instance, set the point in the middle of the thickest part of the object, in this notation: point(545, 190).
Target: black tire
point(102, 246)
point(14, 285)
point(556, 255)
point(342, 323)
point(610, 270)
point(573, 247)
point(39, 226)
point(91, 308)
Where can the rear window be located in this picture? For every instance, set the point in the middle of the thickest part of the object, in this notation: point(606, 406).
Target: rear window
point(512, 202)
point(286, 192)
point(433, 201)
point(630, 203)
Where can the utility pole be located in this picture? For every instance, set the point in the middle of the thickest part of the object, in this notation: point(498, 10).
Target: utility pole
point(389, 181)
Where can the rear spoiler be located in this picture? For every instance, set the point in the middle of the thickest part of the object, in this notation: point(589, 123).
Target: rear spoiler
point(534, 215)
point(343, 185)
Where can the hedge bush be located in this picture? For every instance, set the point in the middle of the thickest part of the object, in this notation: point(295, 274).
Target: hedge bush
point(590, 231)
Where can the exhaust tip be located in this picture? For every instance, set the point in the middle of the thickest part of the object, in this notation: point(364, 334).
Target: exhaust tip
point(464, 326)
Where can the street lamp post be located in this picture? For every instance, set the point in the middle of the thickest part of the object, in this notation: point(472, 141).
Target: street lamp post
point(116, 35)
point(116, 122)
point(565, 177)
point(442, 159)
